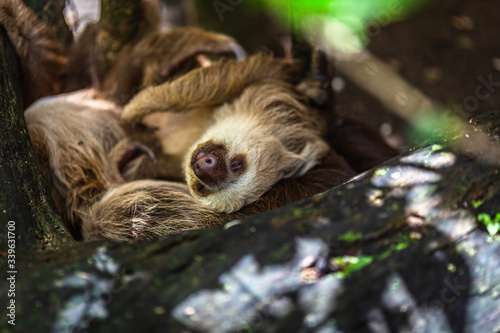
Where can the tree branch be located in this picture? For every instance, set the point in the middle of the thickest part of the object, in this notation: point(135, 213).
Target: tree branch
point(119, 23)
point(398, 247)
point(24, 197)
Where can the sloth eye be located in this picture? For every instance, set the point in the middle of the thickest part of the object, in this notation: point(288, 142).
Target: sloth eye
point(201, 189)
point(236, 165)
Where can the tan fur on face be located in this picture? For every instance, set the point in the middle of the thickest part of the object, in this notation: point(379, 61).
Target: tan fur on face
point(276, 133)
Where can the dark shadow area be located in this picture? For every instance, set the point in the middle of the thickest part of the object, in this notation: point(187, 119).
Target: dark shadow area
point(409, 290)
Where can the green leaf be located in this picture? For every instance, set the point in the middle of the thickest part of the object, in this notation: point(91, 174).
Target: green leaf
point(362, 17)
point(492, 225)
point(401, 246)
point(493, 228)
point(434, 127)
point(484, 218)
point(351, 236)
point(358, 264)
point(476, 204)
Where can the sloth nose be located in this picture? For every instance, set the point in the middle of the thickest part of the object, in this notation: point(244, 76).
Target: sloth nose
point(207, 169)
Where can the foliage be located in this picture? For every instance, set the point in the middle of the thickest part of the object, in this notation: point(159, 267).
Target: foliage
point(355, 15)
point(351, 236)
point(435, 126)
point(491, 224)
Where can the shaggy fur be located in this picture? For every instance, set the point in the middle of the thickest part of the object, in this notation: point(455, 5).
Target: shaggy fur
point(160, 56)
point(207, 87)
point(156, 54)
point(79, 142)
point(73, 136)
point(41, 56)
point(93, 169)
point(146, 209)
point(266, 127)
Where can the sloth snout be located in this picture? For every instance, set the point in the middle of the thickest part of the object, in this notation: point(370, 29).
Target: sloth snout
point(210, 168)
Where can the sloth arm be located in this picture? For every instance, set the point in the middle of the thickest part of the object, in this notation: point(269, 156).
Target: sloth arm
point(206, 87)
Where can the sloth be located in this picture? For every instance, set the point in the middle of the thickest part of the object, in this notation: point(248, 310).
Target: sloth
point(92, 169)
point(76, 138)
point(158, 56)
point(99, 177)
point(85, 157)
point(259, 130)
point(163, 55)
point(155, 55)
point(42, 58)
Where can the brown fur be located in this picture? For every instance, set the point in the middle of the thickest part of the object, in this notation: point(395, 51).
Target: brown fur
point(73, 136)
point(147, 209)
point(160, 56)
point(41, 56)
point(207, 87)
point(92, 168)
point(79, 142)
point(362, 146)
point(266, 126)
point(156, 54)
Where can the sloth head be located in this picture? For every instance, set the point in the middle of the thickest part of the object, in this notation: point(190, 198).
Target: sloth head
point(228, 175)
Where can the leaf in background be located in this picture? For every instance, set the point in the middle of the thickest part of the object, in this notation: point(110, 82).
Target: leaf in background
point(345, 20)
point(493, 228)
point(492, 225)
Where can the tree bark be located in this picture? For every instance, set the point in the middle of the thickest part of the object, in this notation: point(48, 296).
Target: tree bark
point(118, 25)
point(397, 248)
point(24, 198)
point(51, 13)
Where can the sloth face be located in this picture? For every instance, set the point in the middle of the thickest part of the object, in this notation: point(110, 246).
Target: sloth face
point(226, 176)
point(214, 168)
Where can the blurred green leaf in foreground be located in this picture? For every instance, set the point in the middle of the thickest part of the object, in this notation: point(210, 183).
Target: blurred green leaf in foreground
point(349, 23)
